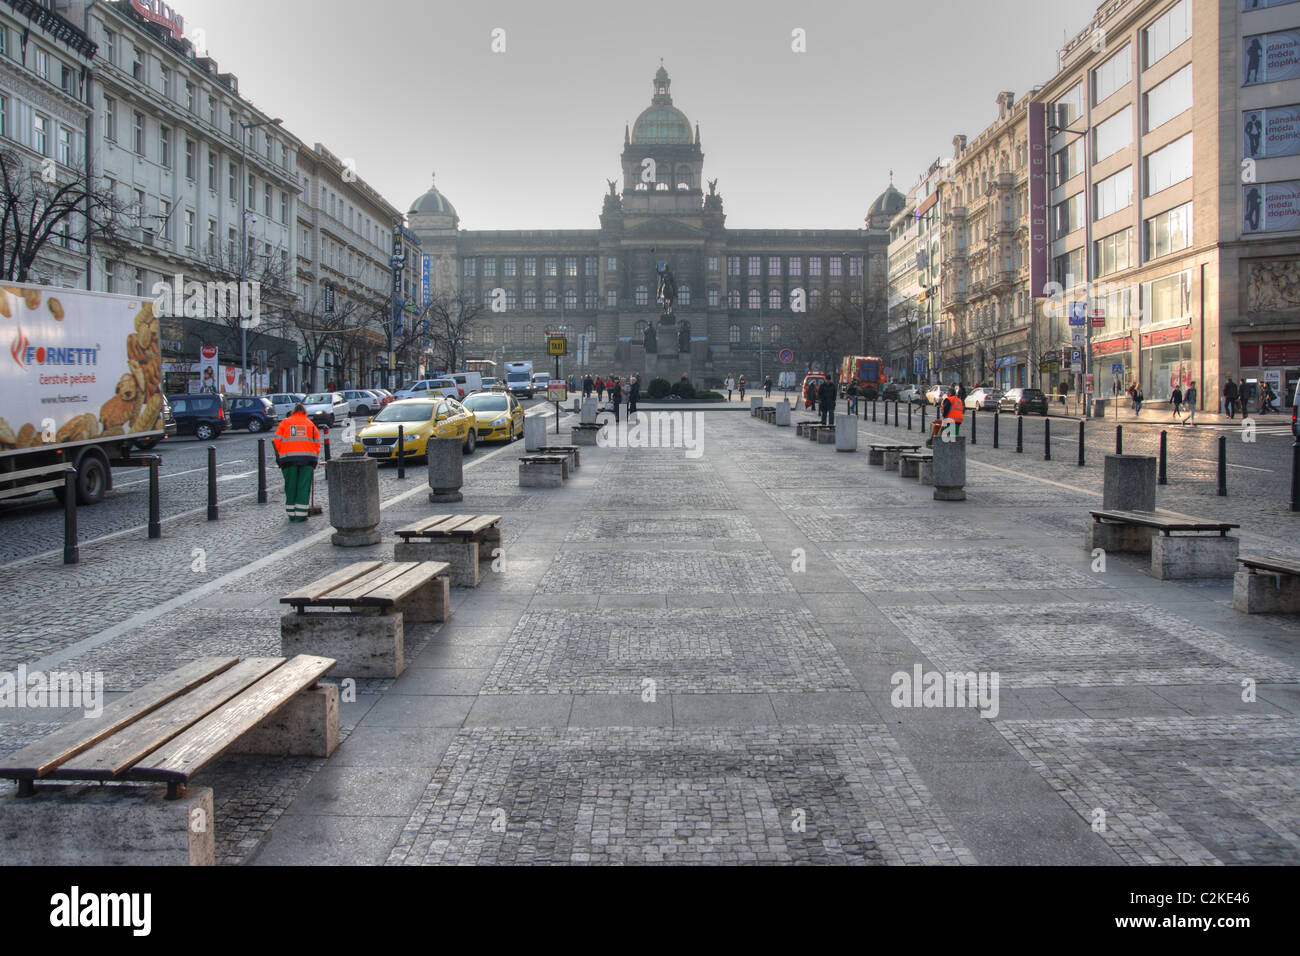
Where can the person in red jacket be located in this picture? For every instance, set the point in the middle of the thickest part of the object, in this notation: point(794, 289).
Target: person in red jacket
point(297, 449)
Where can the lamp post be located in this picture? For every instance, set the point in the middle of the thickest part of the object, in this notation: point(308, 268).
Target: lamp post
point(243, 233)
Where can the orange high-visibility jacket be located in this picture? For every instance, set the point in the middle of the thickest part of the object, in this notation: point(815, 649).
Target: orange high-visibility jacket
point(953, 408)
point(297, 441)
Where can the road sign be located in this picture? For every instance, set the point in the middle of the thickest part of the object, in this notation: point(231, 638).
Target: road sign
point(1087, 384)
point(557, 345)
point(1098, 318)
point(1078, 313)
point(787, 356)
point(1076, 356)
point(556, 392)
point(1078, 336)
point(1116, 368)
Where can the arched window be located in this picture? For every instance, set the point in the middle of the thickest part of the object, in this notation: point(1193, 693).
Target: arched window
point(571, 299)
point(836, 296)
point(508, 334)
point(774, 299)
point(684, 176)
point(642, 295)
point(488, 335)
point(733, 299)
point(814, 300)
point(510, 300)
point(639, 330)
point(775, 332)
point(530, 335)
point(755, 299)
point(684, 294)
point(733, 333)
point(589, 300)
point(755, 335)
point(530, 300)
point(548, 300)
point(590, 333)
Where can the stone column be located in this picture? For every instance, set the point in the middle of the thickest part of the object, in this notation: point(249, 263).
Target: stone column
point(353, 482)
point(950, 469)
point(588, 413)
point(783, 415)
point(846, 433)
point(534, 432)
point(1129, 483)
point(447, 468)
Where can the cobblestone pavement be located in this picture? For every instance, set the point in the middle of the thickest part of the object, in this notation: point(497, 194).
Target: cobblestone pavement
point(699, 660)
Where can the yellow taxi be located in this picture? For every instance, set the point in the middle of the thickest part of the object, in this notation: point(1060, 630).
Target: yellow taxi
point(421, 419)
point(500, 416)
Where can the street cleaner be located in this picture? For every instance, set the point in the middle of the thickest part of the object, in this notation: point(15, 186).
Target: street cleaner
point(952, 411)
point(297, 449)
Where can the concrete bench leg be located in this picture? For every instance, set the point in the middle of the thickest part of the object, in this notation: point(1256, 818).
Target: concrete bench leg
point(875, 456)
point(1193, 556)
point(365, 645)
point(542, 474)
point(891, 459)
point(1110, 536)
point(826, 436)
point(90, 825)
point(462, 555)
point(307, 726)
point(490, 544)
point(1265, 592)
point(925, 473)
point(431, 604)
point(907, 467)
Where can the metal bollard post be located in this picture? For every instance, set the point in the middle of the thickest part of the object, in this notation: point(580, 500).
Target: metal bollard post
point(1081, 443)
point(922, 419)
point(1223, 465)
point(155, 519)
point(1020, 435)
point(71, 553)
point(995, 429)
point(895, 414)
point(401, 448)
point(212, 482)
point(873, 409)
point(1295, 476)
point(1047, 439)
point(1119, 439)
point(1163, 478)
point(327, 443)
point(261, 471)
point(974, 413)
point(909, 416)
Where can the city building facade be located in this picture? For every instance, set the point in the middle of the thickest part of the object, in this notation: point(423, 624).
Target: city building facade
point(915, 280)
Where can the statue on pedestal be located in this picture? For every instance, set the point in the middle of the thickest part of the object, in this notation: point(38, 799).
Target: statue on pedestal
point(667, 286)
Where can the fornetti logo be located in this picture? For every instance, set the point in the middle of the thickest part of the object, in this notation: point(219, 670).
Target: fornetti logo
point(19, 347)
point(26, 354)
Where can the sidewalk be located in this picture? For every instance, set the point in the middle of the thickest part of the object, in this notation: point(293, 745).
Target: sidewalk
point(700, 660)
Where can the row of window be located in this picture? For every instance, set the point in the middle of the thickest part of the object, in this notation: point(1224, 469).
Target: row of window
point(776, 300)
point(38, 132)
point(532, 336)
point(44, 64)
point(1166, 167)
point(1163, 234)
point(835, 265)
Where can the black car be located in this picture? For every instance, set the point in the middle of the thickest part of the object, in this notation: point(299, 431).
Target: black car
point(254, 412)
point(1023, 401)
point(202, 415)
point(889, 393)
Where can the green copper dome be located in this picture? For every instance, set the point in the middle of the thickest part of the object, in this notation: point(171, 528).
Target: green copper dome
point(433, 203)
point(662, 122)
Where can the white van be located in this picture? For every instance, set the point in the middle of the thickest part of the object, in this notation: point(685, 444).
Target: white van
point(469, 382)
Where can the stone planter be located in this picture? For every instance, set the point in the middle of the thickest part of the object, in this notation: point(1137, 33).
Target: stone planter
point(588, 413)
point(354, 500)
point(1129, 483)
point(846, 433)
point(950, 469)
point(534, 433)
point(447, 468)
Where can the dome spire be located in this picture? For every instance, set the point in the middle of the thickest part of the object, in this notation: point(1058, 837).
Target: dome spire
point(662, 97)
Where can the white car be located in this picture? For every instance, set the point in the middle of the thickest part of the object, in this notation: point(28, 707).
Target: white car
point(430, 388)
point(326, 408)
point(284, 402)
point(911, 395)
point(362, 401)
point(984, 399)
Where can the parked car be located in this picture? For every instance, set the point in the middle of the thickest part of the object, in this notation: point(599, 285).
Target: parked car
point(284, 402)
point(467, 382)
point(429, 388)
point(385, 396)
point(500, 416)
point(203, 415)
point(254, 412)
point(421, 419)
point(984, 399)
point(326, 408)
point(493, 385)
point(935, 394)
point(911, 395)
point(1023, 401)
point(362, 401)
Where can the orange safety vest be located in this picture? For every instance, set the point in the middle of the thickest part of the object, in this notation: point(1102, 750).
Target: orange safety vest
point(954, 408)
point(297, 441)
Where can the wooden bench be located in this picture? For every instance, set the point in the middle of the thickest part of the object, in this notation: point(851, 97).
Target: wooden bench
point(1180, 547)
point(1267, 584)
point(165, 732)
point(463, 540)
point(768, 414)
point(826, 434)
point(877, 454)
point(801, 427)
point(572, 451)
point(543, 471)
point(813, 432)
point(584, 434)
point(909, 463)
point(360, 614)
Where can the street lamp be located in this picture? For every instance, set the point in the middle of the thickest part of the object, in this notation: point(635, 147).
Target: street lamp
point(243, 233)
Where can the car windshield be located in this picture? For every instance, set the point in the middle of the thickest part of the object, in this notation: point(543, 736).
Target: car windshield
point(486, 403)
point(325, 398)
point(416, 412)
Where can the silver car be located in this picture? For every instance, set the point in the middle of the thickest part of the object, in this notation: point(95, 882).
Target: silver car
point(326, 408)
point(284, 402)
point(362, 401)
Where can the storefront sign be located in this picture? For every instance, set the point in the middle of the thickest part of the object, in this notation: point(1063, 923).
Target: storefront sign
point(1113, 346)
point(1037, 199)
point(1271, 57)
point(1271, 132)
point(1281, 353)
point(208, 369)
point(158, 12)
point(1271, 207)
point(1165, 336)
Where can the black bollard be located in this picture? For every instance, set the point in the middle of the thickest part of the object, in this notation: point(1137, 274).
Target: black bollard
point(261, 471)
point(155, 519)
point(1020, 435)
point(1163, 478)
point(212, 482)
point(1047, 439)
point(895, 414)
point(909, 416)
point(401, 449)
point(1295, 476)
point(327, 444)
point(71, 553)
point(995, 429)
point(1081, 443)
point(973, 413)
point(1223, 465)
point(922, 419)
point(873, 409)
point(1119, 439)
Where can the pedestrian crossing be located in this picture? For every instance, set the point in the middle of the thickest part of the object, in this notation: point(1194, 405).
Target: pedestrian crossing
point(1281, 428)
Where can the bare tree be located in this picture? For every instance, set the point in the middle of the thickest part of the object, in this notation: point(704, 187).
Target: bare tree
point(824, 335)
point(451, 317)
point(40, 205)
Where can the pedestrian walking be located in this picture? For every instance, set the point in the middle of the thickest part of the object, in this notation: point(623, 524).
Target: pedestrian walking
point(810, 395)
point(587, 386)
point(826, 399)
point(615, 395)
point(1138, 398)
point(1189, 400)
point(767, 387)
point(731, 386)
point(740, 387)
point(1266, 397)
point(600, 389)
point(633, 393)
point(852, 407)
point(1230, 397)
point(1176, 398)
point(297, 449)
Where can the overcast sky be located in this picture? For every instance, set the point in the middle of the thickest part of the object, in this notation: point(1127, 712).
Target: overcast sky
point(526, 138)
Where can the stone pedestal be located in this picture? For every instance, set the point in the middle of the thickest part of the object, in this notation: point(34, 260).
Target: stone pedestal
point(783, 415)
point(92, 825)
point(534, 433)
point(460, 553)
point(950, 469)
point(1264, 592)
point(353, 482)
point(307, 726)
point(584, 435)
point(925, 471)
point(541, 474)
point(447, 468)
point(846, 434)
point(588, 413)
point(755, 403)
point(1193, 556)
point(891, 458)
point(1129, 483)
point(363, 645)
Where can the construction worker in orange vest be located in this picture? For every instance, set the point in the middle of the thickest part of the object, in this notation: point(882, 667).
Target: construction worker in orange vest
point(951, 410)
point(297, 449)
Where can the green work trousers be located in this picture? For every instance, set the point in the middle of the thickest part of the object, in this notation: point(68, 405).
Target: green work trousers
point(297, 490)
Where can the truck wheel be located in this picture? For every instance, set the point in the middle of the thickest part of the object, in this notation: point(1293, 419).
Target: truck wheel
point(92, 480)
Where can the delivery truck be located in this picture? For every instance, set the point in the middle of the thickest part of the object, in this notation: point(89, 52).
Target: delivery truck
point(519, 379)
point(81, 386)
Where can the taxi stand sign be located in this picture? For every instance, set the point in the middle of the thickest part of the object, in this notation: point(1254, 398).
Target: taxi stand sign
point(557, 345)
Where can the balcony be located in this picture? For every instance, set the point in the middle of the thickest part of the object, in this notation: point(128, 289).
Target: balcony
point(1002, 280)
point(957, 212)
point(1006, 227)
point(954, 300)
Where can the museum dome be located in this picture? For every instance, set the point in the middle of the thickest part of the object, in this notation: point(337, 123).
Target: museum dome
point(662, 122)
point(888, 203)
point(433, 203)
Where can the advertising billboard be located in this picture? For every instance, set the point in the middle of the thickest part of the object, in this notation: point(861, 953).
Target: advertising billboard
point(1037, 199)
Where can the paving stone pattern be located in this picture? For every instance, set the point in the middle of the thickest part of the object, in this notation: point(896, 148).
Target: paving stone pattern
point(981, 569)
point(656, 572)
